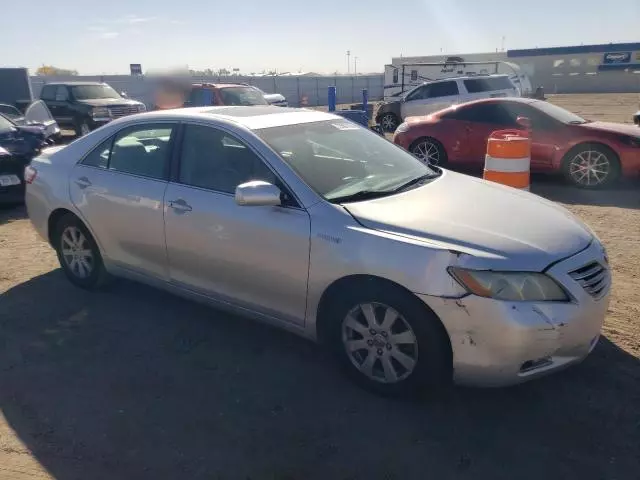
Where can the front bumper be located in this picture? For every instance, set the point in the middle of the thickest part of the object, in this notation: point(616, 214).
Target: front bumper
point(497, 343)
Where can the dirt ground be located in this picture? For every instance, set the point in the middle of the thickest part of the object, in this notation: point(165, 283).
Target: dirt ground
point(133, 383)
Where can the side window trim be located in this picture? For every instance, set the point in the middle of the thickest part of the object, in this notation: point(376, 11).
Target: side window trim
point(175, 171)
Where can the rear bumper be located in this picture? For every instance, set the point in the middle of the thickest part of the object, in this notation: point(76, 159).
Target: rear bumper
point(497, 343)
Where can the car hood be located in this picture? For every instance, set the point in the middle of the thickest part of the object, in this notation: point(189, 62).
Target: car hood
point(623, 128)
point(500, 227)
point(107, 102)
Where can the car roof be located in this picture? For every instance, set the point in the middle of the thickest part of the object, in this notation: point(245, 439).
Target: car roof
point(523, 100)
point(73, 83)
point(467, 77)
point(252, 117)
point(219, 85)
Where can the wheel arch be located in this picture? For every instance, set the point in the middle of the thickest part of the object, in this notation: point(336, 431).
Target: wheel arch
point(351, 282)
point(54, 218)
point(597, 143)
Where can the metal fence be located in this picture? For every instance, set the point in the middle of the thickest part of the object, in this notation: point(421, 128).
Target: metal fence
point(299, 90)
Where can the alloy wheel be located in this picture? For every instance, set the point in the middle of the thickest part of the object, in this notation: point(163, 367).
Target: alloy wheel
point(379, 342)
point(84, 129)
point(428, 152)
point(589, 168)
point(389, 122)
point(76, 252)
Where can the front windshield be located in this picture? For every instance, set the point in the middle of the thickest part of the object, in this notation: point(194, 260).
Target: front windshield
point(91, 92)
point(6, 125)
point(242, 96)
point(338, 158)
point(559, 113)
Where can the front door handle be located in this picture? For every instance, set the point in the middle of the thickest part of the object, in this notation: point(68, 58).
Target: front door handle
point(83, 182)
point(180, 205)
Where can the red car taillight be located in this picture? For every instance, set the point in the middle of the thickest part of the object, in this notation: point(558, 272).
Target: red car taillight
point(30, 174)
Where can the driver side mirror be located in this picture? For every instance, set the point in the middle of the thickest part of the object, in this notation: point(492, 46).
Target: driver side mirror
point(524, 122)
point(258, 194)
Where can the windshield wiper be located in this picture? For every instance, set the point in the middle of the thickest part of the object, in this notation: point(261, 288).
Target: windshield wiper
point(414, 182)
point(361, 195)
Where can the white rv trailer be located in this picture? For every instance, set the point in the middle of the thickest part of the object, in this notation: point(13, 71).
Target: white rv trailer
point(398, 79)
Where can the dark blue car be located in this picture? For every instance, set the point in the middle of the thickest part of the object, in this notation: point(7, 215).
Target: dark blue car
point(19, 143)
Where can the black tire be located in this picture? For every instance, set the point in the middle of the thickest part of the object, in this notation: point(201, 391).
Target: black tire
point(98, 275)
point(441, 152)
point(591, 152)
point(432, 370)
point(389, 122)
point(82, 127)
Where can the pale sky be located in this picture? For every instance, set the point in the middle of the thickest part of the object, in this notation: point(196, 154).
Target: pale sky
point(294, 35)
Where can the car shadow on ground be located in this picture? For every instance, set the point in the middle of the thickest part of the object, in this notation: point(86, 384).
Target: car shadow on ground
point(12, 212)
point(625, 194)
point(134, 383)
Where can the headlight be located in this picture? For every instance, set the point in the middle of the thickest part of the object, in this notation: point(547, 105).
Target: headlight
point(100, 112)
point(403, 127)
point(510, 286)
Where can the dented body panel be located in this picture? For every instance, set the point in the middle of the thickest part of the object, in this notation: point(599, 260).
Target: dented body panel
point(492, 341)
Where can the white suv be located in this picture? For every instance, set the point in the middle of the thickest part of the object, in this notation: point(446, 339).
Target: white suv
point(433, 96)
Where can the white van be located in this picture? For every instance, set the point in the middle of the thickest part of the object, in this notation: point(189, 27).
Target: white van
point(433, 96)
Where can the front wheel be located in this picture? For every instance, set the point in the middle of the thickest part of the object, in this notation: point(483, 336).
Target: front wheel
point(389, 342)
point(82, 128)
point(591, 166)
point(429, 151)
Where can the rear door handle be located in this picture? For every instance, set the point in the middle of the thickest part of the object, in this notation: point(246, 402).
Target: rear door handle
point(180, 205)
point(83, 182)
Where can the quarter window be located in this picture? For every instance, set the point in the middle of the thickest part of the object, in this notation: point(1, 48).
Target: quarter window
point(142, 150)
point(99, 156)
point(215, 160)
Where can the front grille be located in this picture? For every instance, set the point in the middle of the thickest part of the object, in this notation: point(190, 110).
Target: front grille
point(594, 278)
point(123, 110)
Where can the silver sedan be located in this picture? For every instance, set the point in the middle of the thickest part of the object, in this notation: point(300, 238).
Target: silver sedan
point(412, 276)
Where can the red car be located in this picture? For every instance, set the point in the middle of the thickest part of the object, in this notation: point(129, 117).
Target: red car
point(589, 154)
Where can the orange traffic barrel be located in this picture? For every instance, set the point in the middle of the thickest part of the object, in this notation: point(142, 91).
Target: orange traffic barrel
point(508, 159)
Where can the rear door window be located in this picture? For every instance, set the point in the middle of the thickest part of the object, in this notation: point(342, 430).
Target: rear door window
point(143, 150)
point(489, 84)
point(443, 89)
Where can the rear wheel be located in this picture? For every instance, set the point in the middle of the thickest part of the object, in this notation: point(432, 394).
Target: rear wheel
point(387, 341)
point(389, 122)
point(591, 166)
point(78, 254)
point(429, 151)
